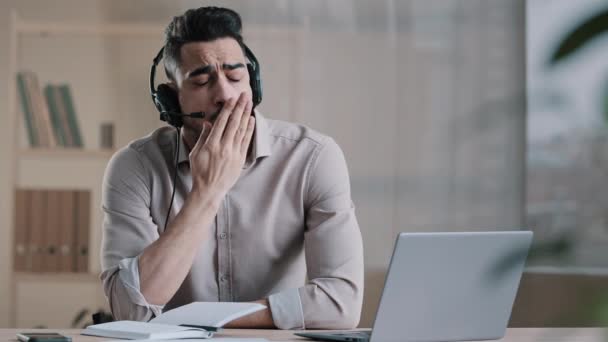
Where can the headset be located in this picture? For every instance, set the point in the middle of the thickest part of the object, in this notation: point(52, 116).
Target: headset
point(166, 101)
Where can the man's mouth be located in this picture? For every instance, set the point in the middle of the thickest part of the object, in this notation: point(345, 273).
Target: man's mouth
point(213, 116)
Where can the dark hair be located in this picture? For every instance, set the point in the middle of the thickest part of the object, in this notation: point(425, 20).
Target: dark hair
point(202, 24)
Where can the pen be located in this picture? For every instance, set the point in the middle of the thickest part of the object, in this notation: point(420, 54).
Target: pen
point(208, 328)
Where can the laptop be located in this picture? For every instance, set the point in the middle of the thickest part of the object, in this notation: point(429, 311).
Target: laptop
point(446, 287)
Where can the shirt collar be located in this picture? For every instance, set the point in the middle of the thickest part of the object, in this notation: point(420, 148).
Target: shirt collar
point(261, 137)
point(260, 141)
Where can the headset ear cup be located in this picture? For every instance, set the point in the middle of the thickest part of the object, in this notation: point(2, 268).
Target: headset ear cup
point(166, 99)
point(256, 85)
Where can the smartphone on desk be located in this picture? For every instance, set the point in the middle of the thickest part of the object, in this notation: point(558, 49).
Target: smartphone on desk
point(43, 337)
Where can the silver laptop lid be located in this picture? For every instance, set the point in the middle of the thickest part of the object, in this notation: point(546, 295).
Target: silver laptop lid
point(451, 286)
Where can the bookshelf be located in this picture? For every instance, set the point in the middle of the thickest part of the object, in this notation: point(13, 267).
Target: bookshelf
point(67, 168)
point(73, 153)
point(67, 277)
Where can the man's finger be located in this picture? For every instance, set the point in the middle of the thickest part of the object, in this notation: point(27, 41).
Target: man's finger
point(207, 127)
point(248, 135)
point(202, 137)
point(235, 119)
point(240, 133)
point(220, 123)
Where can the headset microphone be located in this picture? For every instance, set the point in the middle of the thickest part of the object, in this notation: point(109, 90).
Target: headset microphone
point(166, 116)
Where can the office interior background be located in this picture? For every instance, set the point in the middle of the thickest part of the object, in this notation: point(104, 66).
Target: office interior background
point(450, 114)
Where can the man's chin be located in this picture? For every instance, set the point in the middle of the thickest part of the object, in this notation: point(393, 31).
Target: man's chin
point(192, 135)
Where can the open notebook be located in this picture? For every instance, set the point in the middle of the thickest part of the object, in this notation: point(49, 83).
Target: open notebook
point(142, 330)
point(212, 314)
point(197, 316)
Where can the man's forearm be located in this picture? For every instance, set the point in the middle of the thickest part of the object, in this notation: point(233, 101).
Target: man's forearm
point(257, 320)
point(163, 265)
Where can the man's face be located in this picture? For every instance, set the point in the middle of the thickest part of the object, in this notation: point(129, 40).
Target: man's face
point(210, 73)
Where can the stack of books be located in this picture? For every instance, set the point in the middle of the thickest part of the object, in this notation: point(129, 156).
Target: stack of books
point(50, 116)
point(52, 230)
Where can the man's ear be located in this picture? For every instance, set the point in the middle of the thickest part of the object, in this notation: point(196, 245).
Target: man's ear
point(172, 85)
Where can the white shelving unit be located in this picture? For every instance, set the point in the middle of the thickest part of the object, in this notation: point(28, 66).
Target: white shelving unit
point(70, 291)
point(53, 153)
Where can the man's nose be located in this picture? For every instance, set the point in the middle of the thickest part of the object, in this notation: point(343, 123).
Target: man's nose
point(224, 92)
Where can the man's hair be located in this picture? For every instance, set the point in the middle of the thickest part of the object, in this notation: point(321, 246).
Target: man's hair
point(202, 24)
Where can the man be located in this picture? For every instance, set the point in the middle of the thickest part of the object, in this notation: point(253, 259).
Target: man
point(262, 209)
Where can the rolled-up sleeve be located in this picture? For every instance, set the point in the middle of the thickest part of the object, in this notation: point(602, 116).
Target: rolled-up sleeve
point(333, 296)
point(128, 229)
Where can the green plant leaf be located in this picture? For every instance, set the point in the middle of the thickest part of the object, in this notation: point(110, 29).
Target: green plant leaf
point(558, 248)
point(590, 29)
point(599, 310)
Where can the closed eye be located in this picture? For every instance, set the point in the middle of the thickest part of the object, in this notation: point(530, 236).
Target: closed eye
point(235, 75)
point(200, 81)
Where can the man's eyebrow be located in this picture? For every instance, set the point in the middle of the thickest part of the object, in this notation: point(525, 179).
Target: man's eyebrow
point(233, 66)
point(200, 70)
point(208, 68)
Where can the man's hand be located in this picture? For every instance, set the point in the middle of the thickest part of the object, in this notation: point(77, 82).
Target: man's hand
point(217, 160)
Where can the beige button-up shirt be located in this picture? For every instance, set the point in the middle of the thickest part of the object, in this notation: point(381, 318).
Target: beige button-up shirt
point(286, 231)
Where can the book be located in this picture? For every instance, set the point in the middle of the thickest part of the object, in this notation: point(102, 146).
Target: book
point(36, 109)
point(66, 232)
point(63, 115)
point(36, 236)
point(51, 231)
point(22, 198)
point(28, 111)
point(81, 227)
point(68, 106)
point(52, 101)
point(134, 330)
point(212, 314)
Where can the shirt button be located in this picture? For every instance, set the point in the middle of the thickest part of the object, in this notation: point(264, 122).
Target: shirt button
point(224, 278)
point(223, 236)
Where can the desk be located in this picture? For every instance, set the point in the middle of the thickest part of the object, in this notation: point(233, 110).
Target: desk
point(513, 335)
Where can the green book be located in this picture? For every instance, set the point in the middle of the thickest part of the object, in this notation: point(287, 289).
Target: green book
point(68, 104)
point(67, 132)
point(27, 110)
point(56, 117)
